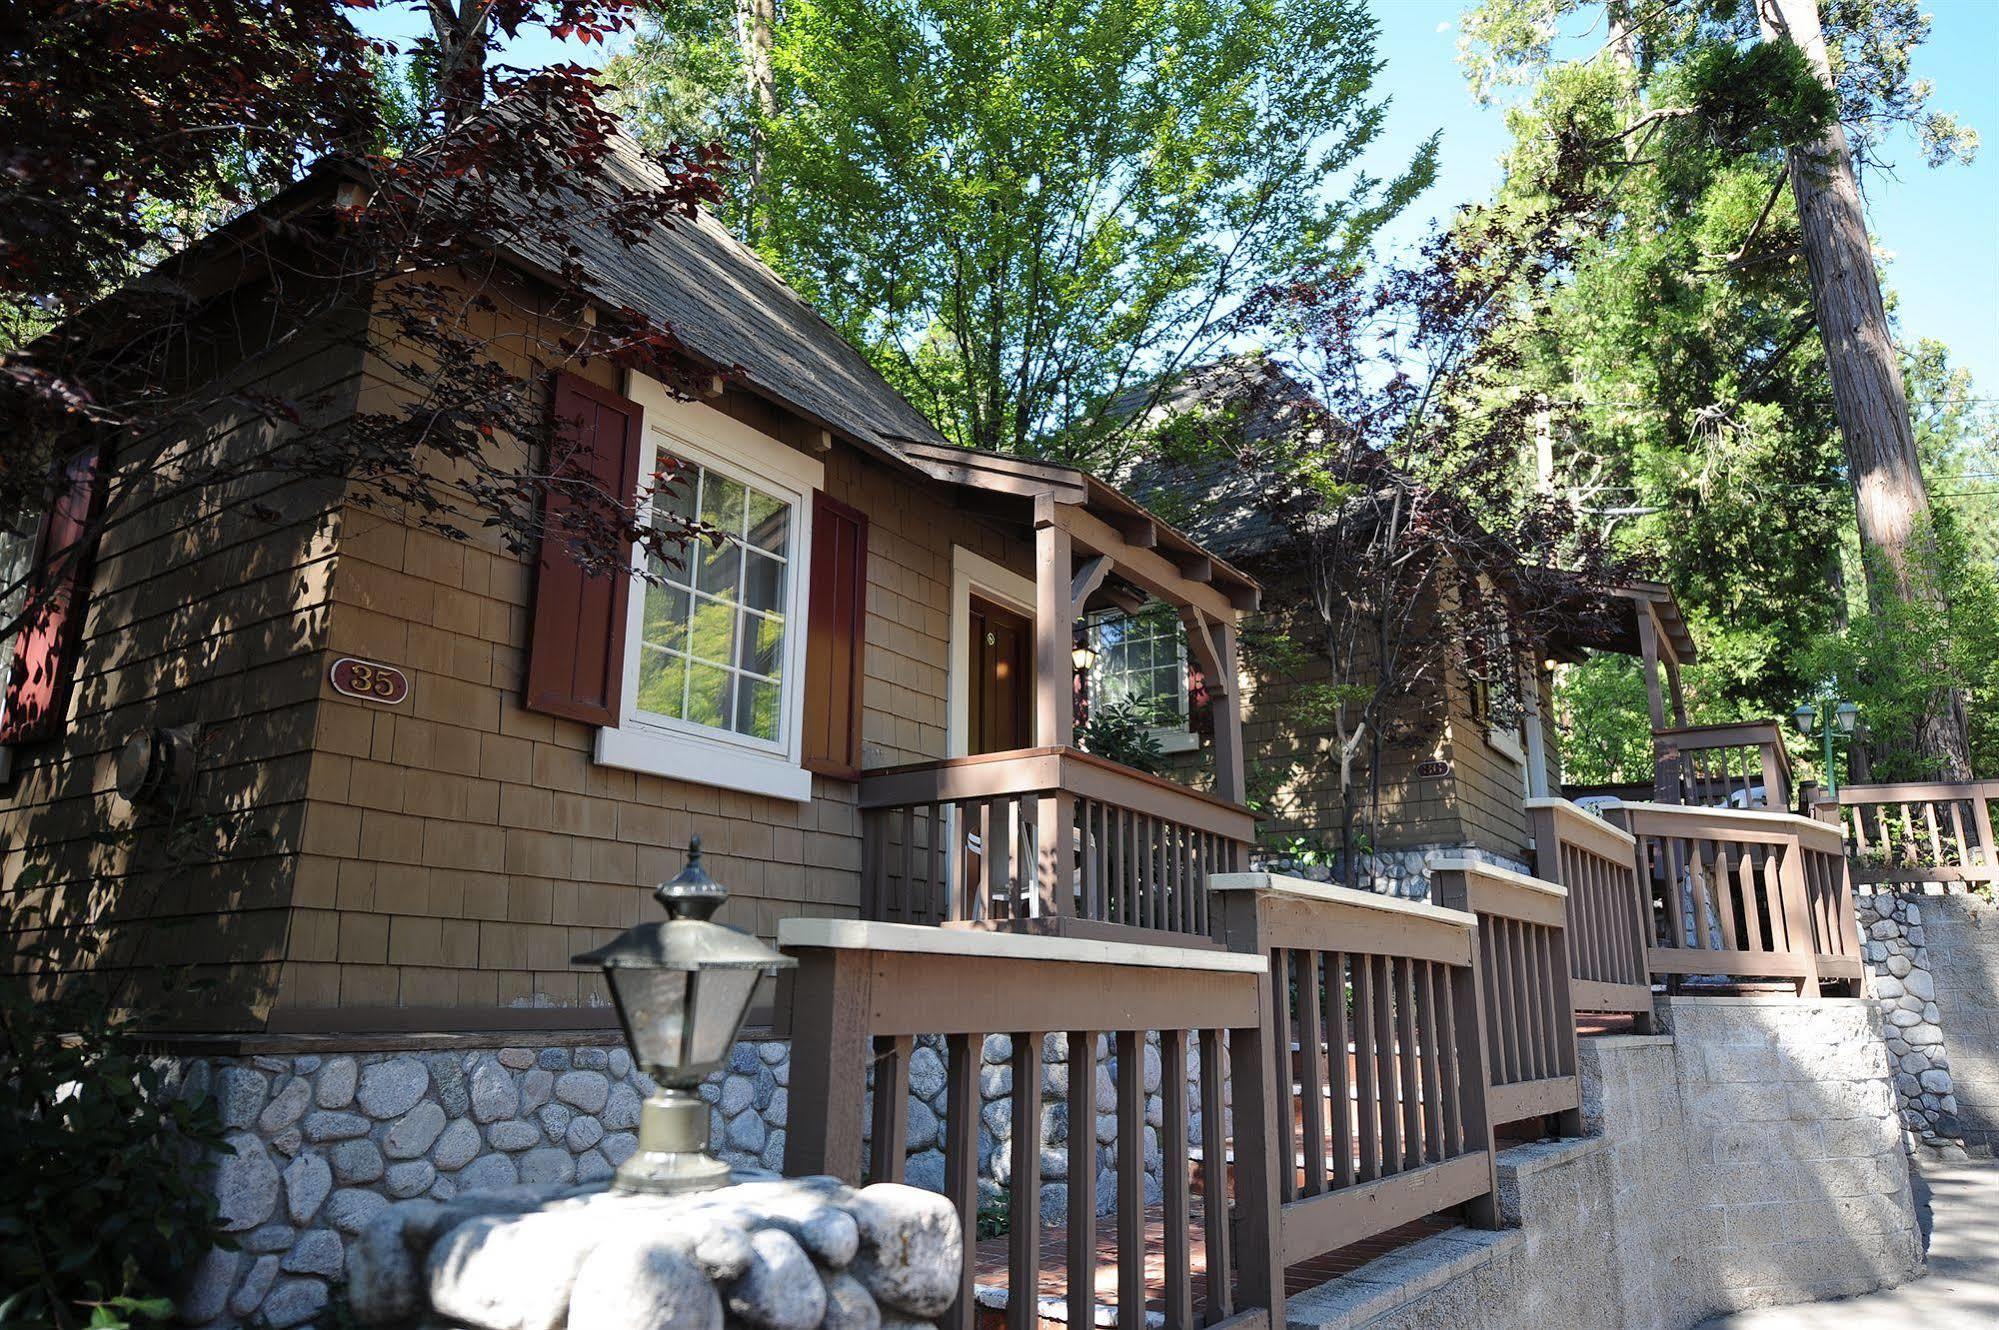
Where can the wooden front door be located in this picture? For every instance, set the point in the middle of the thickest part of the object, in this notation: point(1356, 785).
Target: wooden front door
point(1002, 666)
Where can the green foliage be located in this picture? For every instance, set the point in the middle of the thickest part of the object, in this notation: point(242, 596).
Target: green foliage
point(1683, 328)
point(101, 1207)
point(1122, 730)
point(994, 1214)
point(1022, 211)
point(1893, 659)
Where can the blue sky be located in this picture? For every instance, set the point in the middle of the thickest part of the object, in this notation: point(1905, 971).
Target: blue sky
point(1939, 229)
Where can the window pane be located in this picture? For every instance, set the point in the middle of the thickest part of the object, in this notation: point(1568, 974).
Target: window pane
point(665, 617)
point(708, 695)
point(762, 644)
point(756, 708)
point(719, 569)
point(769, 521)
point(712, 635)
point(661, 680)
point(722, 503)
point(763, 582)
point(673, 494)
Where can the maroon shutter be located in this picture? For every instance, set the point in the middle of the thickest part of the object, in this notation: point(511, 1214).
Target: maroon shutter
point(834, 634)
point(576, 653)
point(51, 634)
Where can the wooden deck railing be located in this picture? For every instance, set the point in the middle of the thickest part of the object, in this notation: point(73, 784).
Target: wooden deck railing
point(1723, 766)
point(1610, 914)
point(1382, 1113)
point(1917, 834)
point(1744, 895)
point(1530, 1020)
point(864, 992)
point(1045, 838)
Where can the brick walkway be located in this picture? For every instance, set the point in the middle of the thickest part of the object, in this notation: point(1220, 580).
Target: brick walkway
point(990, 1270)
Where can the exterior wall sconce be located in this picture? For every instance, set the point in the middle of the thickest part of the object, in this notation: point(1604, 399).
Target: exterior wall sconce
point(682, 988)
point(156, 766)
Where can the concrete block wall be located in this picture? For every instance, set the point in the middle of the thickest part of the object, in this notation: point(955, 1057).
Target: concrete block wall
point(1751, 1157)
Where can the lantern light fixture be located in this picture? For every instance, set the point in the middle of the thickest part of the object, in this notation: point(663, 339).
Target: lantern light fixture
point(682, 988)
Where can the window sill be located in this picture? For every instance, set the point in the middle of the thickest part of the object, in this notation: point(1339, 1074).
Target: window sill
point(1506, 745)
point(1177, 741)
point(699, 762)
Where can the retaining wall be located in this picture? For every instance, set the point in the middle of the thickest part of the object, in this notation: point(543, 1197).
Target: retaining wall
point(1751, 1157)
point(1934, 959)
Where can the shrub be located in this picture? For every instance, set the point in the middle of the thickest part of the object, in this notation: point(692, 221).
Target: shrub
point(100, 1208)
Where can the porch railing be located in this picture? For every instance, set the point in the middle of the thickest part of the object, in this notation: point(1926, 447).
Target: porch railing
point(1723, 766)
point(1610, 914)
point(1917, 834)
point(1381, 1113)
point(1043, 838)
point(864, 993)
point(1530, 1019)
point(1744, 895)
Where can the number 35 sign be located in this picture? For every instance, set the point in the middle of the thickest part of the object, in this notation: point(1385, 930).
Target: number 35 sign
point(369, 681)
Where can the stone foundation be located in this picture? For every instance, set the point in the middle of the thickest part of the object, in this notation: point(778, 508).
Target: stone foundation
point(324, 1142)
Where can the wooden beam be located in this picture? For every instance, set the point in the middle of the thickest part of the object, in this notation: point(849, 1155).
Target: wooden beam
point(1140, 535)
point(1197, 569)
point(1146, 568)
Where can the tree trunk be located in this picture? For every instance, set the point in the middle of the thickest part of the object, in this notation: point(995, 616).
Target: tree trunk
point(1891, 501)
point(756, 22)
point(460, 30)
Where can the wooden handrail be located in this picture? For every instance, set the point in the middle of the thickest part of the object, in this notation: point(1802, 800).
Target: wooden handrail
point(1747, 824)
point(1030, 770)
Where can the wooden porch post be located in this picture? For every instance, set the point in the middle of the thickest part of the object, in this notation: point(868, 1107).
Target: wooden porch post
point(1054, 704)
point(1260, 1159)
point(1215, 652)
point(829, 1063)
point(1665, 768)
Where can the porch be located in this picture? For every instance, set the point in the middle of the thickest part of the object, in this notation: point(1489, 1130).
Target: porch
point(1742, 764)
point(1020, 829)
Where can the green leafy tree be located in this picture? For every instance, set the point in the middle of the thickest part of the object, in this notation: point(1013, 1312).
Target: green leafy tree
point(1686, 337)
point(1023, 211)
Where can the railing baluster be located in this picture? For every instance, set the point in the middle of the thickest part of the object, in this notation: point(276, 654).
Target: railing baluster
point(1341, 1079)
point(1312, 1091)
point(890, 1149)
point(1174, 1162)
point(1081, 1271)
point(1365, 1078)
point(1281, 1076)
point(1406, 1059)
point(1434, 1145)
point(1130, 1181)
point(1454, 1125)
point(1023, 1261)
point(1214, 1179)
point(1384, 1065)
point(961, 1157)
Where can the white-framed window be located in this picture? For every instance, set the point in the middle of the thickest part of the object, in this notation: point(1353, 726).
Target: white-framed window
point(715, 647)
point(1142, 659)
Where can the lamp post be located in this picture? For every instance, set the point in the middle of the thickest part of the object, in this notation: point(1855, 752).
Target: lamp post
point(682, 988)
point(1834, 720)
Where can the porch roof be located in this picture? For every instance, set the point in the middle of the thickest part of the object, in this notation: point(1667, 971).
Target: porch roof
point(1103, 520)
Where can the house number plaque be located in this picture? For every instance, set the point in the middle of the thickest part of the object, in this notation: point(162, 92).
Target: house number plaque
point(370, 681)
point(1432, 770)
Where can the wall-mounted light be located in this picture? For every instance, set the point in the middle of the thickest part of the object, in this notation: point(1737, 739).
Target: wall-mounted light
point(156, 766)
